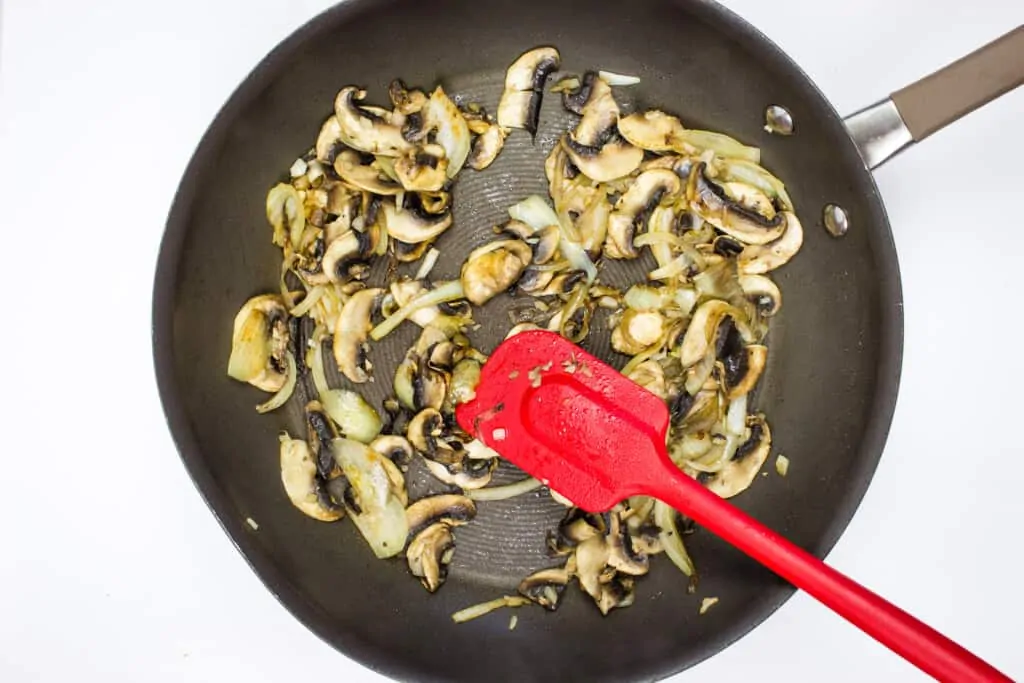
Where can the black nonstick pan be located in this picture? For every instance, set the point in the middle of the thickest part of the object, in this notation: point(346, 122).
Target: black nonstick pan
point(829, 390)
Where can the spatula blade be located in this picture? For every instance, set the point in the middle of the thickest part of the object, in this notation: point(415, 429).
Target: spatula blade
point(567, 418)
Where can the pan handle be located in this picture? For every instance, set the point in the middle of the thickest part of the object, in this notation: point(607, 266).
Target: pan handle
point(913, 113)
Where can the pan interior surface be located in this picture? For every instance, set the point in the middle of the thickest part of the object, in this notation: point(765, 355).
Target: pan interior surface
point(828, 391)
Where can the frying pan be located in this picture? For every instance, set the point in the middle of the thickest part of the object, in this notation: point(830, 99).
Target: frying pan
point(829, 389)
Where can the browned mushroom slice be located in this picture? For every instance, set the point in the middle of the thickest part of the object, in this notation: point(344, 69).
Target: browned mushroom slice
point(364, 129)
point(739, 210)
point(353, 327)
point(429, 553)
point(493, 268)
point(519, 106)
point(650, 189)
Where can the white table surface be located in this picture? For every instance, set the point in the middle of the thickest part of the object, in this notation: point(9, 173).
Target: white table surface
point(111, 566)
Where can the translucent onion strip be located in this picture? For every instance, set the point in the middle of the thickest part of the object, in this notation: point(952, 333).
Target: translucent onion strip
point(671, 540)
point(476, 611)
point(285, 393)
point(505, 492)
point(612, 78)
point(308, 302)
point(429, 261)
point(449, 291)
point(317, 369)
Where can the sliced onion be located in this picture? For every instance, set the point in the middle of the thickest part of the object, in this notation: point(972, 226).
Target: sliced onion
point(649, 238)
point(644, 298)
point(639, 358)
point(450, 291)
point(754, 174)
point(286, 292)
point(736, 416)
point(356, 418)
point(308, 301)
point(429, 261)
point(381, 518)
point(575, 253)
point(282, 396)
point(534, 211)
point(476, 611)
point(720, 144)
point(537, 213)
point(612, 78)
point(505, 492)
point(317, 368)
point(671, 540)
point(673, 268)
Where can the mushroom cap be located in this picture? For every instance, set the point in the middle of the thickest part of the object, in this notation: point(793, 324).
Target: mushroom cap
point(353, 327)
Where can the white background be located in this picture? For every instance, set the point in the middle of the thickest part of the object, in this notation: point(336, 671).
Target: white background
point(110, 565)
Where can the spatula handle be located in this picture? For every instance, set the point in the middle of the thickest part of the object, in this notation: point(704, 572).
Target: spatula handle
point(913, 640)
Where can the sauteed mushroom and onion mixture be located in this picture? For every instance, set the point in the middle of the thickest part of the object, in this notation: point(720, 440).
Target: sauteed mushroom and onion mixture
point(377, 186)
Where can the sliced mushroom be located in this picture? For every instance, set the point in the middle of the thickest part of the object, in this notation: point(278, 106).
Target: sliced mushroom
point(652, 130)
point(546, 586)
point(447, 460)
point(462, 471)
point(465, 378)
point(534, 280)
point(419, 383)
point(703, 331)
point(493, 268)
point(344, 204)
point(637, 331)
point(738, 473)
point(350, 167)
point(286, 215)
point(592, 224)
point(650, 189)
point(599, 116)
point(354, 323)
point(259, 343)
point(452, 509)
point(429, 553)
point(614, 159)
point(321, 432)
point(761, 291)
point(395, 448)
point(450, 129)
point(545, 244)
point(592, 565)
point(410, 253)
point(742, 369)
point(347, 257)
point(519, 106)
point(621, 553)
point(301, 483)
point(375, 500)
point(329, 143)
point(365, 130)
point(576, 527)
point(405, 100)
point(486, 147)
point(749, 216)
point(575, 98)
point(617, 592)
point(412, 224)
point(759, 259)
point(423, 169)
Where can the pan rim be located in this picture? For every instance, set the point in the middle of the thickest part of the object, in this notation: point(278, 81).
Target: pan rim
point(349, 643)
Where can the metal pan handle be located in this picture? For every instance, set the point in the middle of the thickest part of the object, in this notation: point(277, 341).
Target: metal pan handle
point(913, 113)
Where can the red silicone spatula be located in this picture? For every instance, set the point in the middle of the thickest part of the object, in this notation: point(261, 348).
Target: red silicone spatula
point(597, 438)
